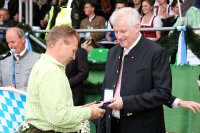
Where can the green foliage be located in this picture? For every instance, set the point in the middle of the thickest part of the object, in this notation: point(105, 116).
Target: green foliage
point(170, 42)
point(3, 46)
point(192, 41)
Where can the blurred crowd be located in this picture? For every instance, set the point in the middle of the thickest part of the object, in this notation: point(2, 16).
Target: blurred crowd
point(94, 14)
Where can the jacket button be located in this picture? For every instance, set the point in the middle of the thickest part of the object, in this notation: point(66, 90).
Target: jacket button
point(117, 71)
point(113, 86)
point(109, 116)
point(129, 114)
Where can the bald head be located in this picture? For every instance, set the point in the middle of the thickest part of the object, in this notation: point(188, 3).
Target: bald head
point(16, 30)
point(15, 38)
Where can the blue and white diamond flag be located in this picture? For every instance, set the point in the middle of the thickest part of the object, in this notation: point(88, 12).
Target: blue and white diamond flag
point(12, 112)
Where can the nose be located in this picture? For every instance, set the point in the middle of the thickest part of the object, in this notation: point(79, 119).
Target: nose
point(119, 35)
point(10, 46)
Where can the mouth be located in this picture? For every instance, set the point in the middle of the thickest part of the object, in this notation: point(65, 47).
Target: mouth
point(121, 41)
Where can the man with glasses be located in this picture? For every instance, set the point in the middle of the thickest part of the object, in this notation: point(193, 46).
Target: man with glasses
point(15, 69)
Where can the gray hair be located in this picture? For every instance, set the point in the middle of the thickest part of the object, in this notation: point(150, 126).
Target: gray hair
point(127, 13)
point(20, 33)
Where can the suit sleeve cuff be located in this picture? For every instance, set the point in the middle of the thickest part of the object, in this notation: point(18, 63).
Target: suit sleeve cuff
point(175, 103)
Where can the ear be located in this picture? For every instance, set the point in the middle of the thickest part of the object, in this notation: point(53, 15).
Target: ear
point(93, 9)
point(137, 28)
point(23, 39)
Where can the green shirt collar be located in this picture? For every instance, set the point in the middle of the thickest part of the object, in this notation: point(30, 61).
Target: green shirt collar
point(53, 60)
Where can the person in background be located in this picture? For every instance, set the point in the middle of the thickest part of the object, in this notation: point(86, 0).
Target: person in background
point(163, 10)
point(7, 22)
point(62, 12)
point(15, 69)
point(105, 8)
point(16, 18)
point(120, 4)
point(92, 21)
point(49, 106)
point(44, 14)
point(169, 22)
point(157, 3)
point(193, 13)
point(45, 7)
point(148, 20)
point(77, 71)
point(11, 5)
point(110, 35)
point(137, 4)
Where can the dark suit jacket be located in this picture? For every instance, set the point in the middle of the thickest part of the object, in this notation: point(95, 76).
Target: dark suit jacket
point(13, 7)
point(77, 71)
point(168, 22)
point(145, 87)
point(36, 12)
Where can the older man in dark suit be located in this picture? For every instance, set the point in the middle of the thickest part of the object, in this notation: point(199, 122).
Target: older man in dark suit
point(138, 74)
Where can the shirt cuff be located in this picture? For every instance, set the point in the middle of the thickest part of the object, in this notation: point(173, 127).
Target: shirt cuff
point(175, 103)
point(86, 113)
point(116, 114)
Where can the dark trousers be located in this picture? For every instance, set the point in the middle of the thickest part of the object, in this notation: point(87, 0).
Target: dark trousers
point(115, 125)
point(36, 130)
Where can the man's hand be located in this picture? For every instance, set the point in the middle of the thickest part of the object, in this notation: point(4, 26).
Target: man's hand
point(43, 23)
point(96, 111)
point(193, 106)
point(89, 38)
point(116, 104)
point(89, 104)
